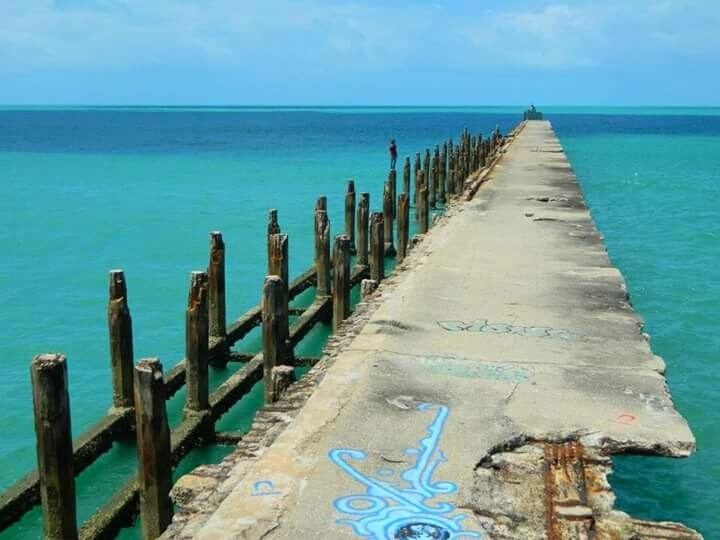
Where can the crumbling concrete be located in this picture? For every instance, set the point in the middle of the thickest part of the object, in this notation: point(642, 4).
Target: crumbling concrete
point(478, 395)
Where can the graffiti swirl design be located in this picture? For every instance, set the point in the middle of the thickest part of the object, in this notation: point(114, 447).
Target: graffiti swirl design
point(396, 512)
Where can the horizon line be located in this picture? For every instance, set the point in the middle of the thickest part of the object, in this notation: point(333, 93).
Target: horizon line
point(346, 106)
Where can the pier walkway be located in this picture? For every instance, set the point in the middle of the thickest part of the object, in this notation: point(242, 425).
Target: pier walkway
point(486, 392)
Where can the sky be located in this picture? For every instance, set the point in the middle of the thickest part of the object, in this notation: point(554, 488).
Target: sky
point(360, 52)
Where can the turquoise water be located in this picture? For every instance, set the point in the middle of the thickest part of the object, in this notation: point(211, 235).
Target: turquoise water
point(88, 190)
point(654, 194)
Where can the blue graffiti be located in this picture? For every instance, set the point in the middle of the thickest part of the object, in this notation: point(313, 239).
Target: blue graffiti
point(263, 488)
point(482, 325)
point(398, 512)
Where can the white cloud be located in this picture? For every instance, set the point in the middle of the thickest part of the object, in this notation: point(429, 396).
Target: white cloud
point(355, 35)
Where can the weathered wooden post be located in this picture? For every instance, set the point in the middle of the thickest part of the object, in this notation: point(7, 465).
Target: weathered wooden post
point(403, 231)
point(442, 196)
point(389, 249)
point(442, 174)
point(51, 404)
point(430, 185)
point(363, 218)
point(472, 158)
point(281, 377)
point(341, 281)
point(121, 341)
point(392, 182)
point(417, 169)
point(419, 181)
point(350, 215)
point(196, 345)
point(321, 203)
point(274, 330)
point(279, 263)
point(426, 167)
point(458, 166)
point(431, 182)
point(406, 176)
point(273, 227)
point(279, 267)
point(377, 243)
point(216, 285)
point(322, 252)
point(153, 443)
point(423, 215)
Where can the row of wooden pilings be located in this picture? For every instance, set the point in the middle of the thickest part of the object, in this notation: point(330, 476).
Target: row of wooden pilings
point(140, 391)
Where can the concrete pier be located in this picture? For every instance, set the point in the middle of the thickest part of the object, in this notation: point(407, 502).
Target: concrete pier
point(482, 396)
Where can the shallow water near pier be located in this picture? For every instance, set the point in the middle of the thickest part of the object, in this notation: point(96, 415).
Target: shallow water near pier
point(88, 190)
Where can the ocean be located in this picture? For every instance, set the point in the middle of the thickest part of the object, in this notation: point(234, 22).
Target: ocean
point(87, 190)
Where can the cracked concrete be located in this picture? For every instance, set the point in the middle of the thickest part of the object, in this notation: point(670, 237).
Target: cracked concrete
point(497, 426)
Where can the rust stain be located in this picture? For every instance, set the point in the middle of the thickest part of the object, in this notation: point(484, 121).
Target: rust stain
point(566, 504)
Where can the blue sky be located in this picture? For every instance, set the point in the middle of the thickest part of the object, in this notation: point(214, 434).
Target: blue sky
point(344, 52)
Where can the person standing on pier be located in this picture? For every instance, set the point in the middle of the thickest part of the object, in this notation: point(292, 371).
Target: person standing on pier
point(393, 154)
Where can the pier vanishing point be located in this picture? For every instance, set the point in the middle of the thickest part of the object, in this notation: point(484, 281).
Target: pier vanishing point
point(480, 390)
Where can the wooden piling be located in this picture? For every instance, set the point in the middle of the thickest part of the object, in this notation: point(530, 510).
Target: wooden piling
point(406, 176)
point(321, 203)
point(377, 243)
point(279, 268)
point(322, 252)
point(216, 285)
point(403, 229)
point(426, 167)
point(274, 329)
point(196, 345)
point(363, 218)
point(278, 263)
point(423, 210)
point(281, 378)
point(51, 404)
point(389, 248)
point(442, 175)
point(431, 181)
point(273, 227)
point(392, 182)
point(417, 169)
point(121, 341)
point(153, 443)
point(341, 280)
point(350, 215)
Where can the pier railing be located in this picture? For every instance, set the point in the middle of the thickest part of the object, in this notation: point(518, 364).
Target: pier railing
point(139, 392)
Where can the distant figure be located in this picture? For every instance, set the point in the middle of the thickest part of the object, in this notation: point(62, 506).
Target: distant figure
point(532, 108)
point(393, 154)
